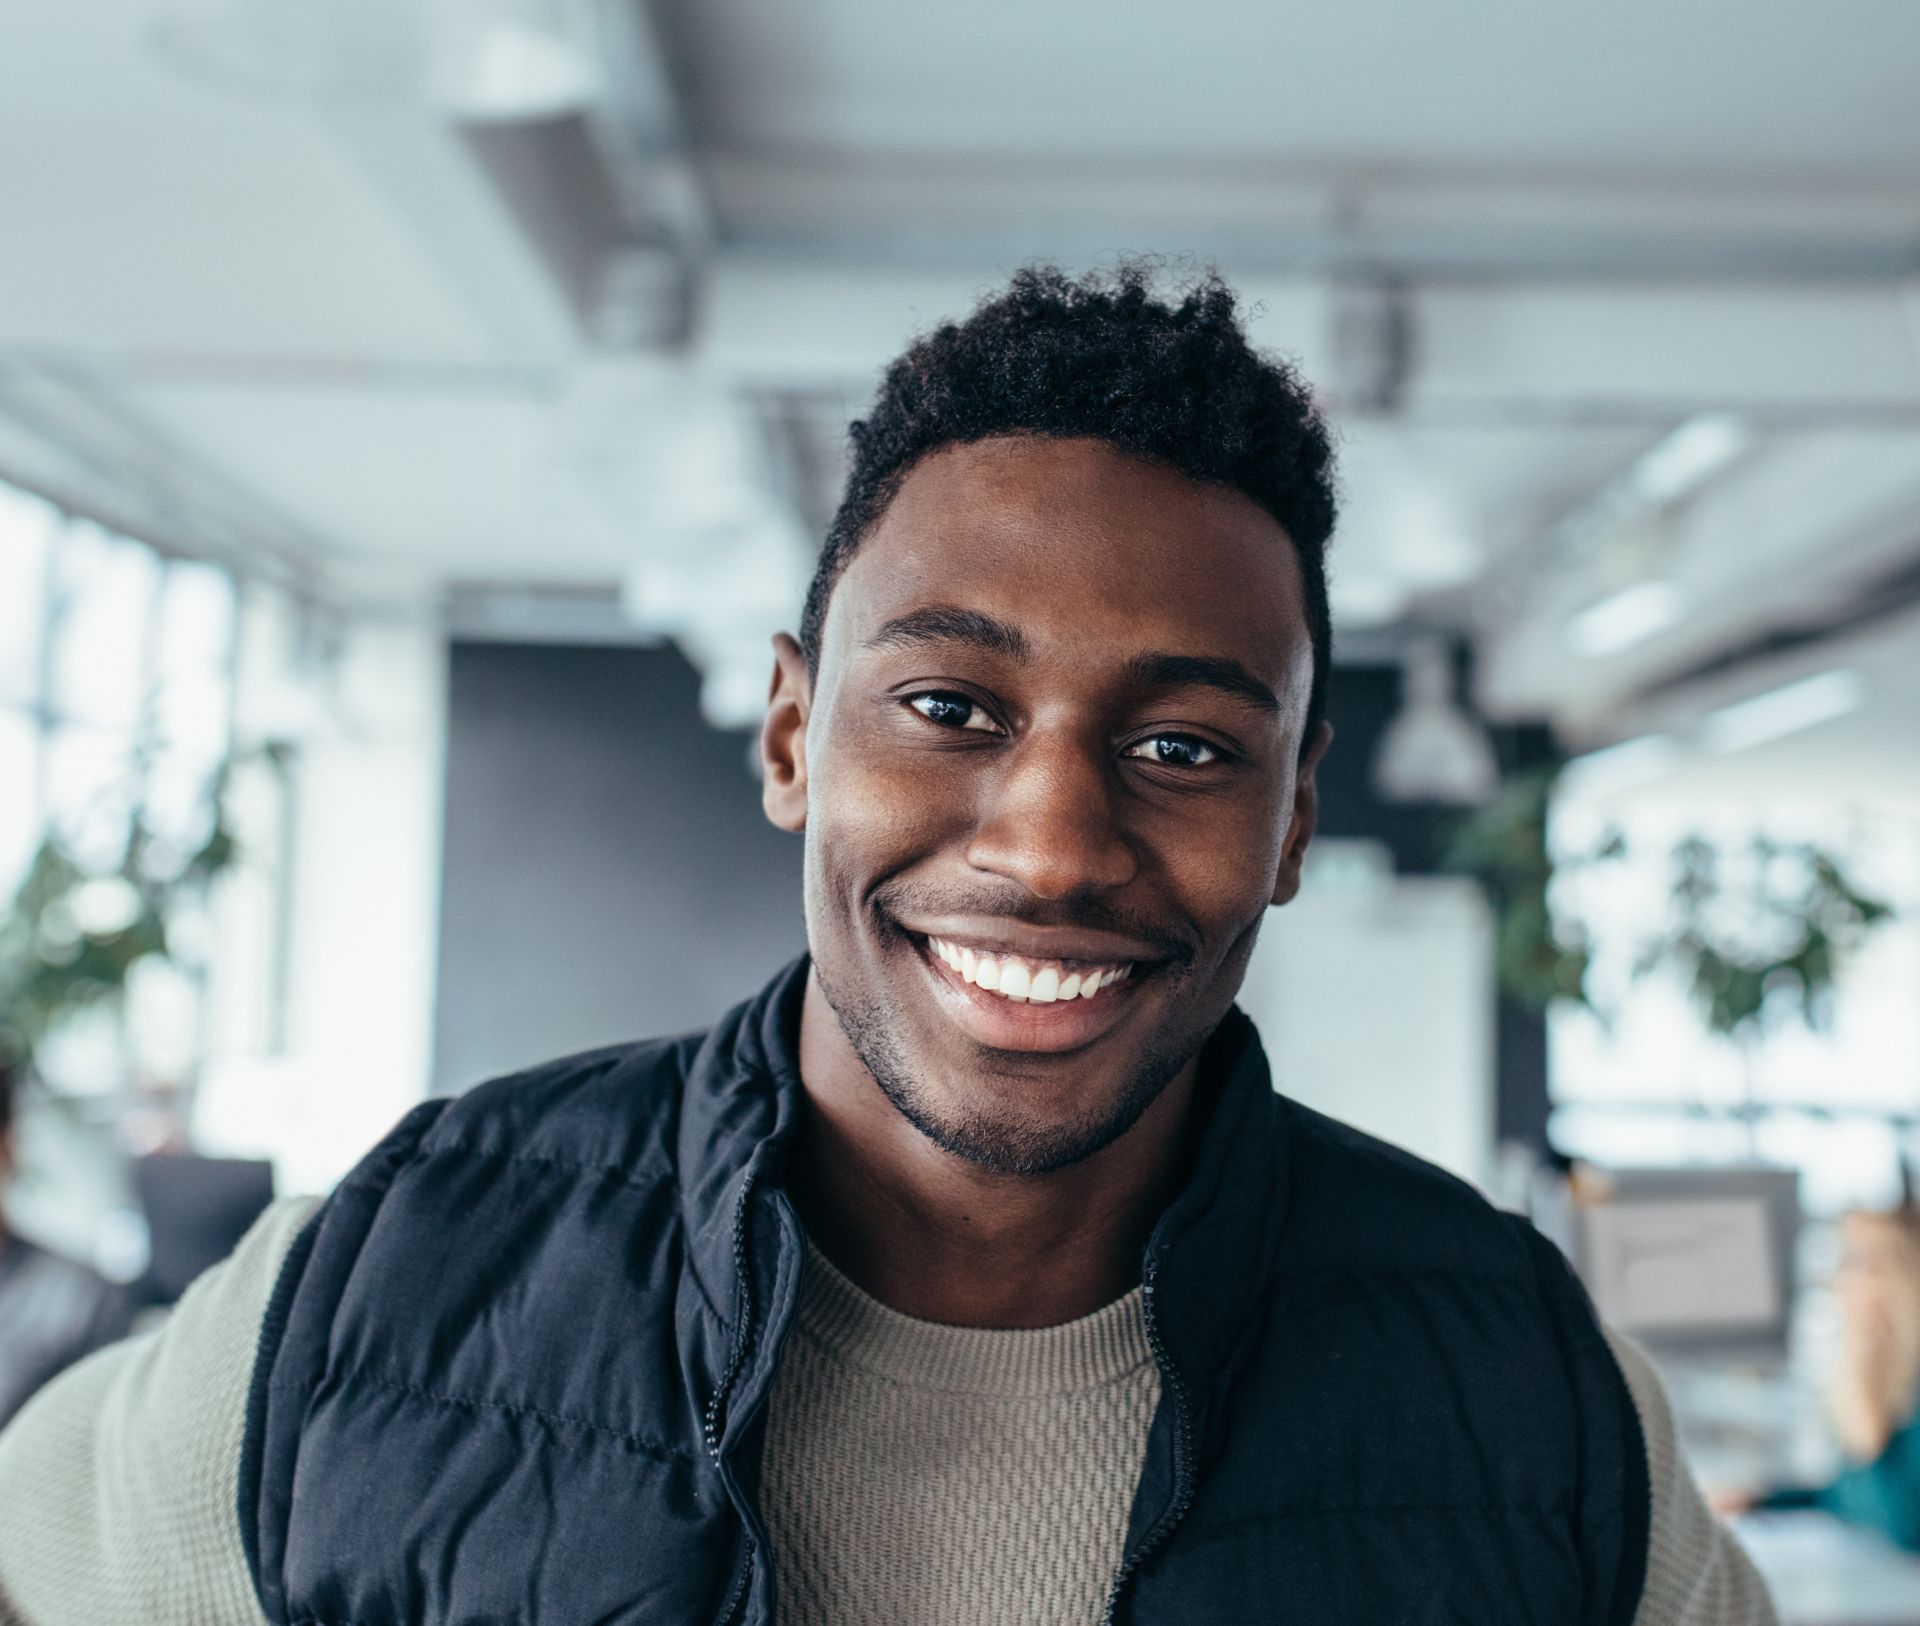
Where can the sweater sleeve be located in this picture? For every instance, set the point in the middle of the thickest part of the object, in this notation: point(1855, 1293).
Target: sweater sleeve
point(119, 1480)
point(1697, 1573)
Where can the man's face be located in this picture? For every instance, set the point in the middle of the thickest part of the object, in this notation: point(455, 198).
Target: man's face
point(1054, 744)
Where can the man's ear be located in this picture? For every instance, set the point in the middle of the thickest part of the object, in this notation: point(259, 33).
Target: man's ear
point(783, 737)
point(1306, 817)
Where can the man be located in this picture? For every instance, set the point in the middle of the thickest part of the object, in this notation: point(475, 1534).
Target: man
point(53, 1310)
point(974, 1271)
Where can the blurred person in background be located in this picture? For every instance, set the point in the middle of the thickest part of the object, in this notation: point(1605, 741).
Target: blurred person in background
point(973, 1272)
point(1873, 1396)
point(53, 1310)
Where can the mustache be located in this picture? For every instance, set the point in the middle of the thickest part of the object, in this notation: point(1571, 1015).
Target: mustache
point(1087, 913)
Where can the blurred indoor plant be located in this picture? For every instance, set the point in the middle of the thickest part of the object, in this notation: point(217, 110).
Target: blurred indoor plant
point(1745, 924)
point(75, 930)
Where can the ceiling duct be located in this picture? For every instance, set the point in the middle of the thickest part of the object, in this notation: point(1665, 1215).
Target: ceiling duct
point(1370, 346)
point(642, 298)
point(491, 61)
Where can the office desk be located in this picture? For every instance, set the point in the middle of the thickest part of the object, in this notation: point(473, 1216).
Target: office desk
point(1825, 1573)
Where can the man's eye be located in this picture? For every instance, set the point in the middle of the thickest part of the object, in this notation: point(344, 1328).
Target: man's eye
point(952, 711)
point(1175, 751)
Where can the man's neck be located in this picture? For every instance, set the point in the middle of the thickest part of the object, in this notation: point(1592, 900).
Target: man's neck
point(931, 1235)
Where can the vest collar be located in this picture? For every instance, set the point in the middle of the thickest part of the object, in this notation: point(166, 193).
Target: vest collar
point(1210, 1253)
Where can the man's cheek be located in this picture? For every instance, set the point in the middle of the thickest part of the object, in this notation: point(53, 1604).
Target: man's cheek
point(890, 810)
point(1224, 875)
point(860, 836)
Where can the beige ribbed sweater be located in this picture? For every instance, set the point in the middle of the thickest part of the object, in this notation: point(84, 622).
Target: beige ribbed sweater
point(951, 1476)
point(915, 1475)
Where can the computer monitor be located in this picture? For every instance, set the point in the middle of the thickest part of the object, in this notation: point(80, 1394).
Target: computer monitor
point(197, 1208)
point(1693, 1262)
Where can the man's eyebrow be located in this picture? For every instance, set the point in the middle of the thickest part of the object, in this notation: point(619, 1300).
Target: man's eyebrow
point(948, 623)
point(1155, 670)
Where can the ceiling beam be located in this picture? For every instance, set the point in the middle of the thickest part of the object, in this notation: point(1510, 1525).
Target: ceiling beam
point(438, 185)
point(1798, 355)
point(641, 126)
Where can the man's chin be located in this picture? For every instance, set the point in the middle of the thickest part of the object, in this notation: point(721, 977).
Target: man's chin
point(1007, 1109)
point(1017, 1112)
point(1009, 1144)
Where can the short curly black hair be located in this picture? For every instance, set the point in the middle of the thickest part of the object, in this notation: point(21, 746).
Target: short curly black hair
point(1102, 356)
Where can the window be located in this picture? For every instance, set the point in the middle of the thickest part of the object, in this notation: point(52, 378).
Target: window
point(27, 527)
point(1649, 1083)
point(115, 702)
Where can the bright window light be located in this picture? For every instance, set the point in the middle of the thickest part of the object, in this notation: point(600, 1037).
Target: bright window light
point(27, 528)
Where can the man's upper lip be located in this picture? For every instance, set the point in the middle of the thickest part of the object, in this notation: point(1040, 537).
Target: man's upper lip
point(993, 936)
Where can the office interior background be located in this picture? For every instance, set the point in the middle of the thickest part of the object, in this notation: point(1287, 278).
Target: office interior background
point(417, 415)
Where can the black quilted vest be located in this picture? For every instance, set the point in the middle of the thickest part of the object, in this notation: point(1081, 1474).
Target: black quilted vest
point(516, 1370)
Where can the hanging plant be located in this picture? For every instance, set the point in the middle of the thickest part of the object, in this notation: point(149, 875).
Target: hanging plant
point(1779, 918)
point(1785, 929)
point(1503, 846)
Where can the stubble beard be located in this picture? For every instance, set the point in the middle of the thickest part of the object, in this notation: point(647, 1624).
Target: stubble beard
point(988, 1142)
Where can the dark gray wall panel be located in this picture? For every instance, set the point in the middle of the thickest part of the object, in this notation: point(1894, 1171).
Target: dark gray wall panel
point(607, 870)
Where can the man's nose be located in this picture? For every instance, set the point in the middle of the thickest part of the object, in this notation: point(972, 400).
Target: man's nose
point(1048, 820)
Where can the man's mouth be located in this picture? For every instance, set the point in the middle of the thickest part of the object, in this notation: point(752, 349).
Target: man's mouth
point(1028, 1002)
point(1023, 980)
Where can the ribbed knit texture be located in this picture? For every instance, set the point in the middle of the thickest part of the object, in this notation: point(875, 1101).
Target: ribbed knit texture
point(951, 1476)
point(119, 1482)
point(1697, 1573)
point(905, 1481)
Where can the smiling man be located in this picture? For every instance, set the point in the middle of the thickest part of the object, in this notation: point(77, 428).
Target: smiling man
point(975, 1271)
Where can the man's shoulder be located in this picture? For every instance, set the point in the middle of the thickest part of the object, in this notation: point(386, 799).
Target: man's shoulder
point(615, 1105)
point(1378, 1204)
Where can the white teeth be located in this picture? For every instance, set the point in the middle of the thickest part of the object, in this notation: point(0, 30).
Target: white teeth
point(1040, 982)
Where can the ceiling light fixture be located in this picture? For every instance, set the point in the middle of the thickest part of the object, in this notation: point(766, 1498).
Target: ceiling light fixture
point(1616, 768)
point(1681, 462)
point(1620, 620)
point(1786, 710)
point(478, 61)
point(1433, 751)
point(508, 61)
point(1363, 602)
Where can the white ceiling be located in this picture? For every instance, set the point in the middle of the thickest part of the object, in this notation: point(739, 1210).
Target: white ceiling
point(1712, 89)
point(337, 330)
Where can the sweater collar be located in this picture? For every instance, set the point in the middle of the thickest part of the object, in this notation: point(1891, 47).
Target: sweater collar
point(855, 1329)
point(1210, 1252)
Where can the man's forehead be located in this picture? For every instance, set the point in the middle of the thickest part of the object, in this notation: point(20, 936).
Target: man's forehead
point(1078, 545)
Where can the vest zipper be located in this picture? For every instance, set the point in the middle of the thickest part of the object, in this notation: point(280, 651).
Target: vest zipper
point(743, 1315)
point(737, 1593)
point(1183, 1474)
point(736, 1358)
